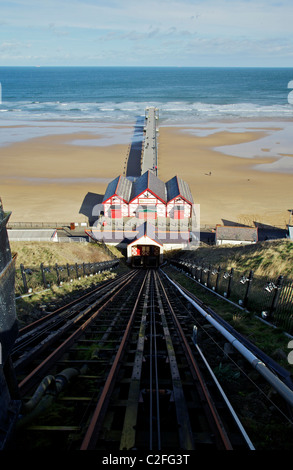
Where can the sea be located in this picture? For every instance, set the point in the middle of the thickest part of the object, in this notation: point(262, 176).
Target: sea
point(120, 94)
point(47, 99)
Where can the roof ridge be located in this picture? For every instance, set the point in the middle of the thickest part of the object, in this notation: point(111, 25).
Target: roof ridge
point(116, 189)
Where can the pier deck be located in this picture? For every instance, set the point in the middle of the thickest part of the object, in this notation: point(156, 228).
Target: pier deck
point(150, 152)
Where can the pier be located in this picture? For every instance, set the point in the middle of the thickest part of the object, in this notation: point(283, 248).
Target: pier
point(150, 151)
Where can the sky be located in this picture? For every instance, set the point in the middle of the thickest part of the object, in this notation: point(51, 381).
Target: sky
point(185, 33)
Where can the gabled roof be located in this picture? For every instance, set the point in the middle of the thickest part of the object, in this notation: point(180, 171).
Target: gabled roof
point(149, 181)
point(177, 187)
point(120, 187)
point(237, 233)
point(146, 230)
point(127, 190)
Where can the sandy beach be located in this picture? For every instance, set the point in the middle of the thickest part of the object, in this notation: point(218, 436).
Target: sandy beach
point(228, 187)
point(47, 179)
point(235, 173)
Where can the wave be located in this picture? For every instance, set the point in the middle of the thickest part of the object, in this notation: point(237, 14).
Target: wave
point(128, 111)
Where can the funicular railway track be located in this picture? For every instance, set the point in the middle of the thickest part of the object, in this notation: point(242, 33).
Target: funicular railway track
point(42, 333)
point(123, 376)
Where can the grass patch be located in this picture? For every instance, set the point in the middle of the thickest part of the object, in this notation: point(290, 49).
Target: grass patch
point(269, 258)
point(32, 254)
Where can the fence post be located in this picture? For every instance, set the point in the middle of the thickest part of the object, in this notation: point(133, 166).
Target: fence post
point(193, 269)
point(68, 270)
point(230, 282)
point(276, 295)
point(76, 269)
point(43, 275)
point(58, 275)
point(218, 279)
point(197, 273)
point(83, 268)
point(201, 271)
point(249, 280)
point(23, 278)
point(208, 277)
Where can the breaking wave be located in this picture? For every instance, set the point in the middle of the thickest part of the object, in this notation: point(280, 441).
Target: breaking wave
point(128, 112)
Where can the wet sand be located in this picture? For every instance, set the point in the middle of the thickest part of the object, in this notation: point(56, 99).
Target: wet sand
point(48, 178)
point(227, 187)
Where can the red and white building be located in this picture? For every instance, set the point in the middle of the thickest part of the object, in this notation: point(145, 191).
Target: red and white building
point(116, 198)
point(146, 248)
point(148, 198)
point(147, 215)
point(179, 199)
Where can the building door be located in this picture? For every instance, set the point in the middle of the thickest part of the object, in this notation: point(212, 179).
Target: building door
point(179, 212)
point(116, 212)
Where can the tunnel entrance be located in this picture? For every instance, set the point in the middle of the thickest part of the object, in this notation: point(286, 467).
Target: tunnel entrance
point(145, 256)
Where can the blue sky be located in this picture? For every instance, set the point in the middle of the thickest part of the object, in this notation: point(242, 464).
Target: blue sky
point(149, 32)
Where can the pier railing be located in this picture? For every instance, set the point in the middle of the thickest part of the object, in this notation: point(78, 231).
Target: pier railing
point(37, 225)
point(271, 299)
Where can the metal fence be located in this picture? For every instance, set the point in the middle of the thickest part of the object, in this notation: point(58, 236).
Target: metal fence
point(37, 225)
point(272, 299)
point(30, 279)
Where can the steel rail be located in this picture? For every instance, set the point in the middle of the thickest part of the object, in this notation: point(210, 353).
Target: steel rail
point(235, 417)
point(32, 326)
point(132, 432)
point(151, 379)
point(128, 436)
point(283, 373)
point(154, 373)
point(61, 331)
point(58, 317)
point(186, 439)
point(92, 432)
point(212, 411)
point(256, 362)
point(32, 378)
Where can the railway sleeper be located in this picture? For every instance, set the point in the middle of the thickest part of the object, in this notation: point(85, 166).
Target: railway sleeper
point(152, 401)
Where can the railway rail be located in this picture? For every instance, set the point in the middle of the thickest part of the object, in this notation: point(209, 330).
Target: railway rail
point(119, 369)
point(38, 335)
